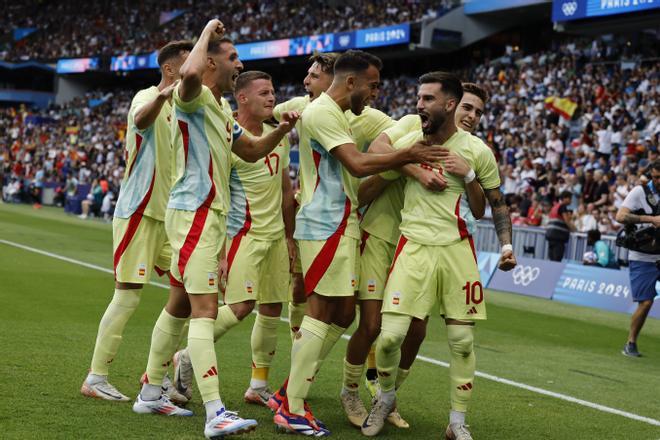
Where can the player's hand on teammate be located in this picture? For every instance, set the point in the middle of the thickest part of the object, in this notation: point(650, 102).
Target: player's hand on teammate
point(431, 179)
point(507, 261)
point(293, 252)
point(166, 93)
point(453, 163)
point(424, 153)
point(215, 27)
point(288, 121)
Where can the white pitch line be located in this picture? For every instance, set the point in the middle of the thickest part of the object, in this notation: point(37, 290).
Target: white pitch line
point(426, 359)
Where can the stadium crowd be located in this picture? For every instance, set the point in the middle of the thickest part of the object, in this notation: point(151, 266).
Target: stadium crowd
point(130, 27)
point(598, 154)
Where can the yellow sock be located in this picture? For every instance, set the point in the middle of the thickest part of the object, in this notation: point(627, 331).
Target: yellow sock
point(461, 365)
point(352, 375)
point(225, 321)
point(334, 333)
point(263, 342)
point(183, 338)
point(296, 314)
point(401, 376)
point(121, 308)
point(371, 358)
point(164, 341)
point(304, 356)
point(393, 331)
point(202, 355)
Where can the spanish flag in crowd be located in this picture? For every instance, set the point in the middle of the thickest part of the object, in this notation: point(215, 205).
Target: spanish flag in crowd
point(565, 107)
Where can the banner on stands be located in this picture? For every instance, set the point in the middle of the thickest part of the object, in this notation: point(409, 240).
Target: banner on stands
point(592, 286)
point(487, 263)
point(567, 10)
point(530, 277)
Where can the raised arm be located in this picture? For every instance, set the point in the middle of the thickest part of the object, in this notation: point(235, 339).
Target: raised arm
point(252, 149)
point(193, 68)
point(147, 114)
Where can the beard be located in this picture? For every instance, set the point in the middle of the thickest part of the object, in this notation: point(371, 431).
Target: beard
point(431, 123)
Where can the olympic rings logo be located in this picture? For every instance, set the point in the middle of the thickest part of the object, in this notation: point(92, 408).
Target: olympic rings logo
point(569, 8)
point(525, 275)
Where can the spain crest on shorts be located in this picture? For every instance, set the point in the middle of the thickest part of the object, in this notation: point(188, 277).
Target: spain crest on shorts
point(213, 279)
point(396, 298)
point(142, 270)
point(249, 287)
point(371, 286)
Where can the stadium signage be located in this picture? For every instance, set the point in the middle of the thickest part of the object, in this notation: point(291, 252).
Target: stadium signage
point(567, 10)
point(125, 63)
point(607, 289)
point(530, 277)
point(77, 65)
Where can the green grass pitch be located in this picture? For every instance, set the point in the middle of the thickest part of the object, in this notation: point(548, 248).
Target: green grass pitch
point(51, 308)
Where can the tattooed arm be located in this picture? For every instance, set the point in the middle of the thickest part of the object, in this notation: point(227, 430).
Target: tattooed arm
point(628, 218)
point(503, 227)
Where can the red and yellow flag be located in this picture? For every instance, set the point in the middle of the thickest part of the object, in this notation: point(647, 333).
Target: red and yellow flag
point(565, 107)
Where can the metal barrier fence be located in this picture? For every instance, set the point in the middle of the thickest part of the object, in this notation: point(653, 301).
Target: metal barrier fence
point(530, 242)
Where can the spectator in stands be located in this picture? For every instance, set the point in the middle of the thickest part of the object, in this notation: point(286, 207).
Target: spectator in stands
point(601, 254)
point(93, 201)
point(559, 227)
point(640, 208)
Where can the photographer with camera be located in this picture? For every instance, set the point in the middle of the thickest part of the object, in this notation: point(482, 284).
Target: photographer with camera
point(640, 213)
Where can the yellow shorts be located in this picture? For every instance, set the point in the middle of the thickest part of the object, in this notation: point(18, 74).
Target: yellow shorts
point(422, 275)
point(139, 245)
point(196, 238)
point(257, 270)
point(375, 260)
point(330, 267)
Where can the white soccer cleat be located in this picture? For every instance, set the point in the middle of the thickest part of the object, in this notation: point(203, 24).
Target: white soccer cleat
point(353, 407)
point(259, 396)
point(183, 373)
point(163, 406)
point(394, 418)
point(456, 431)
point(227, 423)
point(375, 422)
point(169, 390)
point(103, 390)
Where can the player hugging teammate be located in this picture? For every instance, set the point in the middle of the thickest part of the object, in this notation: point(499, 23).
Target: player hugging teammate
point(229, 217)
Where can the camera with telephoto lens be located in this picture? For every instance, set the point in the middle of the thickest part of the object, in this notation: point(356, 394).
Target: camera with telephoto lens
point(645, 240)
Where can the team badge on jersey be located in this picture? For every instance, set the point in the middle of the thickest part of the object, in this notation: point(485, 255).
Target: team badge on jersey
point(354, 282)
point(213, 279)
point(395, 298)
point(371, 286)
point(142, 270)
point(249, 287)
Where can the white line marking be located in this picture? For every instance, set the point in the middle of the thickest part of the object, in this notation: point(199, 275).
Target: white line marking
point(429, 360)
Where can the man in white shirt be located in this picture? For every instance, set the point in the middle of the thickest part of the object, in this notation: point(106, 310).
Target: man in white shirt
point(642, 208)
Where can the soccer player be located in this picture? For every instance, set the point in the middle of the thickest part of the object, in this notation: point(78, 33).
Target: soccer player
point(260, 234)
point(139, 240)
point(434, 259)
point(205, 135)
point(326, 225)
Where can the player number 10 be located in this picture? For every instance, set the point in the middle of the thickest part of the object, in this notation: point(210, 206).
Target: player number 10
point(471, 292)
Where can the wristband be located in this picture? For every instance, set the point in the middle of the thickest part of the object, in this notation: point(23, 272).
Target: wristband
point(506, 248)
point(470, 176)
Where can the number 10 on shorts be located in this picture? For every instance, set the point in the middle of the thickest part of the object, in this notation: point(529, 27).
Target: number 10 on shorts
point(471, 292)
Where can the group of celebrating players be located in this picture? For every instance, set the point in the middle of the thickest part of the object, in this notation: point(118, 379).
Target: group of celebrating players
point(385, 217)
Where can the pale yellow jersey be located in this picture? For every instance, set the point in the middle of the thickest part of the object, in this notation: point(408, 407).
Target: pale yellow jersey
point(256, 192)
point(147, 178)
point(204, 131)
point(434, 218)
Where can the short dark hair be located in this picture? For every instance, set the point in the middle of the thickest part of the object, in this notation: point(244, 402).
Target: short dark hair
point(325, 60)
point(173, 49)
point(477, 91)
point(216, 42)
point(451, 84)
point(593, 236)
point(246, 78)
point(356, 61)
point(565, 194)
